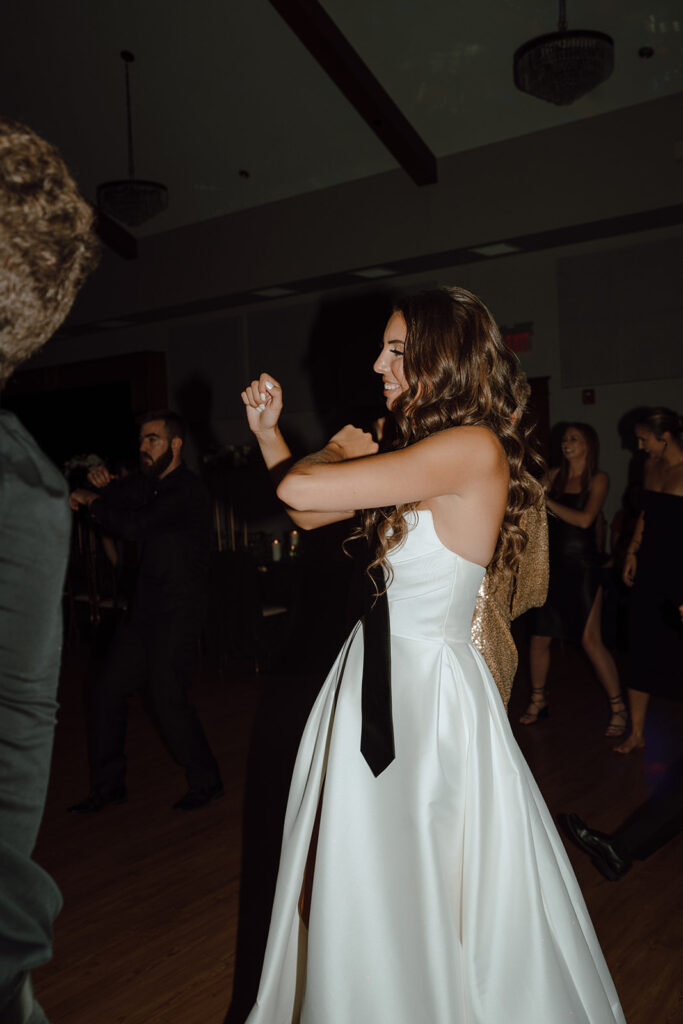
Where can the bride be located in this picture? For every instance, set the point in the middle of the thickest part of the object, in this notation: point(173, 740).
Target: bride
point(421, 876)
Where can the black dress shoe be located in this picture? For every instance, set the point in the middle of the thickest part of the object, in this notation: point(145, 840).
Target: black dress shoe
point(195, 799)
point(602, 849)
point(94, 802)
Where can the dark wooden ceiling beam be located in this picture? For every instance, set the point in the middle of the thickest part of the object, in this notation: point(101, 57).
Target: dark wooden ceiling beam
point(114, 235)
point(315, 29)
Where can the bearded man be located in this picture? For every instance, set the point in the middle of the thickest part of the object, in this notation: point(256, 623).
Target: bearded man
point(165, 510)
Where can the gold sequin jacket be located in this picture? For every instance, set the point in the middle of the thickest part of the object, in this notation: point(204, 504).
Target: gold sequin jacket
point(504, 596)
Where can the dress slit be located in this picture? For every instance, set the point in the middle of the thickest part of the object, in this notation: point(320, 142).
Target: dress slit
point(307, 883)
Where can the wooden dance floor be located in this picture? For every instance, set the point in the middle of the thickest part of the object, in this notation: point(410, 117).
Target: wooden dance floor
point(149, 929)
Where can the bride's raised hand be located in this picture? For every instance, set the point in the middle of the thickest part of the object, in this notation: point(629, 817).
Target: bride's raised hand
point(353, 443)
point(263, 401)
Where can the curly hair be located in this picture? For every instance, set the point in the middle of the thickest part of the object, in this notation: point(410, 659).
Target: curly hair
point(459, 373)
point(592, 442)
point(47, 244)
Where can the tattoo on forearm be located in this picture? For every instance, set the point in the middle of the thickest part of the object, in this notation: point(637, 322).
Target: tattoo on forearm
point(321, 458)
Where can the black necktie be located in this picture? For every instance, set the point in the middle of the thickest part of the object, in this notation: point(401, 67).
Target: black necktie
point(377, 731)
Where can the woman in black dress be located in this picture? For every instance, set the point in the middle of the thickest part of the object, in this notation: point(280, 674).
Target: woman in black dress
point(654, 568)
point(576, 494)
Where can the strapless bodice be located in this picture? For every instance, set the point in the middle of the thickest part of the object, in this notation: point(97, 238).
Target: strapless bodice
point(433, 590)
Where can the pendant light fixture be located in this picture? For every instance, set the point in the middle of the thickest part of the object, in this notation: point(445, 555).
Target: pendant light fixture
point(563, 66)
point(131, 200)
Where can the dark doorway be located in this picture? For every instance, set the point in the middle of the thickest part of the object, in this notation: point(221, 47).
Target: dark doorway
point(85, 420)
point(88, 407)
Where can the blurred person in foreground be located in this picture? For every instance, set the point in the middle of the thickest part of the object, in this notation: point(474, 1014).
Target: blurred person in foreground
point(47, 248)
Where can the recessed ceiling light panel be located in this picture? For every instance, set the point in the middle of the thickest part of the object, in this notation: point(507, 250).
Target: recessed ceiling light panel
point(495, 249)
point(373, 272)
point(274, 293)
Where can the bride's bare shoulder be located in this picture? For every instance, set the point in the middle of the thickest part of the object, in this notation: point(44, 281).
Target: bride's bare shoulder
point(461, 457)
point(475, 441)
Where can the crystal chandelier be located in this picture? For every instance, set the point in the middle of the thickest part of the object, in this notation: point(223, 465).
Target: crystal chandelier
point(131, 200)
point(562, 66)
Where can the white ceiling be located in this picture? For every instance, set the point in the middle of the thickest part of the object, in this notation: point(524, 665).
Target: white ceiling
point(221, 86)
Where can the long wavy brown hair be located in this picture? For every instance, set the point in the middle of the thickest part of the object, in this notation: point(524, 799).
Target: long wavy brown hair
point(459, 373)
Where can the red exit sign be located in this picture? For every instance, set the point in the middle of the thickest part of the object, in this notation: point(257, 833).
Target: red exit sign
point(518, 338)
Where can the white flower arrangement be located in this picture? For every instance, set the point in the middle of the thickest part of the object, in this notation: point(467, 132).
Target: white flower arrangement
point(82, 462)
point(233, 455)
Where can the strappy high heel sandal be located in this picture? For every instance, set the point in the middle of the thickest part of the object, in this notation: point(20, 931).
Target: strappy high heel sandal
point(538, 708)
point(617, 723)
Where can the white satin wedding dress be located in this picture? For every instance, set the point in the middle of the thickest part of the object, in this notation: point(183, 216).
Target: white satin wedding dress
point(442, 893)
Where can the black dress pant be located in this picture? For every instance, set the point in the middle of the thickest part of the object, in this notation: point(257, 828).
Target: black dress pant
point(156, 654)
point(657, 821)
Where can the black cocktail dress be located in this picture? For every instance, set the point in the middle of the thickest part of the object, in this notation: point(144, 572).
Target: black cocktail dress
point(574, 575)
point(655, 639)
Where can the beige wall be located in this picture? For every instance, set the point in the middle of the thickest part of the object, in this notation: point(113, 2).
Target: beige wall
point(224, 352)
point(601, 167)
point(613, 165)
